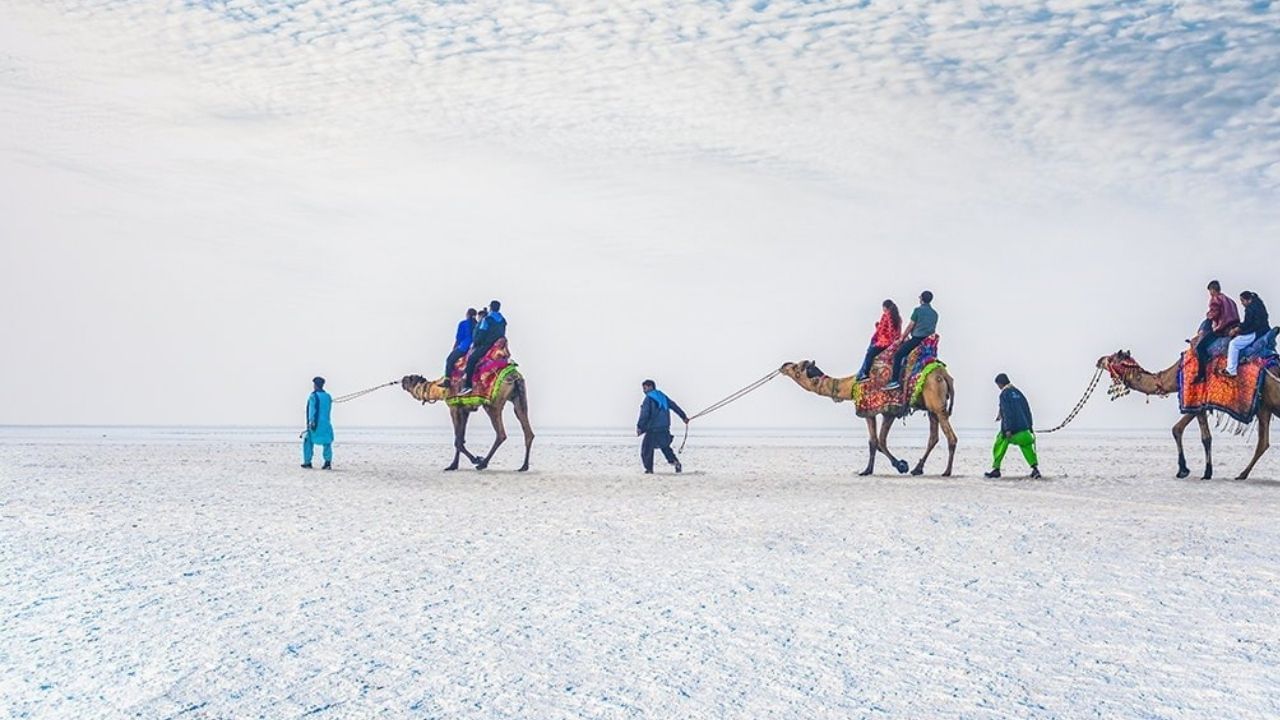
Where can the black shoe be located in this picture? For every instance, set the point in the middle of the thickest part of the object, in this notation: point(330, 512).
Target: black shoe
point(648, 472)
point(327, 466)
point(679, 467)
point(993, 474)
point(445, 383)
point(893, 385)
point(466, 390)
point(1035, 472)
point(306, 465)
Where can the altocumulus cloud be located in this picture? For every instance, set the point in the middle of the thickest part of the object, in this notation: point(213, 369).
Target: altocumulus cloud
point(1176, 97)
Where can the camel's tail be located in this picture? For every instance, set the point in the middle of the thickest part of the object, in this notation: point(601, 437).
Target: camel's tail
point(951, 393)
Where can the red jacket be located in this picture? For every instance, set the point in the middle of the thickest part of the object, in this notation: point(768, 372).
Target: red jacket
point(887, 331)
point(1223, 312)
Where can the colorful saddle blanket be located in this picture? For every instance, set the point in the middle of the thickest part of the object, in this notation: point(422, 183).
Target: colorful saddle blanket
point(870, 398)
point(1239, 396)
point(490, 371)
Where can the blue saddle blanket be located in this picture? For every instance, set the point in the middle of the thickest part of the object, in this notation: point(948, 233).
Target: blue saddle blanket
point(1264, 346)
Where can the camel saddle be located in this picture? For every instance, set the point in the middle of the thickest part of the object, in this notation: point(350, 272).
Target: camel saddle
point(1237, 396)
point(870, 398)
point(489, 371)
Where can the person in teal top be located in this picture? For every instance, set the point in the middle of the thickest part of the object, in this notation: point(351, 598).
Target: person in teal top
point(924, 322)
point(319, 426)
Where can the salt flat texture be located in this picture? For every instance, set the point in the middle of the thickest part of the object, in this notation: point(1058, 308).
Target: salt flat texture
point(203, 575)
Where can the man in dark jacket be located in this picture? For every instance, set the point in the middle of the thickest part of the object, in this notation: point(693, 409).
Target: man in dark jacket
point(1015, 428)
point(461, 343)
point(1256, 323)
point(492, 327)
point(655, 425)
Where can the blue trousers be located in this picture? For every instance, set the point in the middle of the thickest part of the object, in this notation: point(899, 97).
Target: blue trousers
point(309, 450)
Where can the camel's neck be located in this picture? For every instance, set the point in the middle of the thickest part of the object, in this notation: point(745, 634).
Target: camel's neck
point(1161, 383)
point(838, 389)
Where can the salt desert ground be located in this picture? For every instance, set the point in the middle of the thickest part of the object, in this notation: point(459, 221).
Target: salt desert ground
point(166, 573)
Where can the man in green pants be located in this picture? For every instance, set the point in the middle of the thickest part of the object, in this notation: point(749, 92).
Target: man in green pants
point(1015, 427)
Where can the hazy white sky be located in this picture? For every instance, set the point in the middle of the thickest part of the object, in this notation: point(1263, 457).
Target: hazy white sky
point(204, 204)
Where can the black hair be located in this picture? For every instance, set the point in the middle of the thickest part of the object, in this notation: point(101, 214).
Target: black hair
point(1249, 295)
point(892, 307)
point(471, 312)
point(926, 297)
point(495, 306)
point(1002, 379)
point(1215, 286)
point(649, 383)
point(317, 381)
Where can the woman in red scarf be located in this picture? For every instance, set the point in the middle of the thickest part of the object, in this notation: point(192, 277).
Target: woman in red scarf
point(888, 328)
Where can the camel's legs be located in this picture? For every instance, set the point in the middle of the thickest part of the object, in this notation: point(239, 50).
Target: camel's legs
point(459, 419)
point(945, 421)
point(1264, 441)
point(933, 440)
point(871, 443)
point(500, 433)
point(522, 414)
point(1178, 427)
point(899, 465)
point(1206, 439)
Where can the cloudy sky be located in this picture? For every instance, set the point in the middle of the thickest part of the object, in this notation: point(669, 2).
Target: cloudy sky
point(203, 204)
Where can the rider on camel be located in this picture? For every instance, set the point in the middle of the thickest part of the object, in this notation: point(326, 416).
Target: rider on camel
point(924, 322)
point(887, 330)
point(1256, 323)
point(1222, 317)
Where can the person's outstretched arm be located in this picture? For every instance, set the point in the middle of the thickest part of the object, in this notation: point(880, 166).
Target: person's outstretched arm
point(676, 409)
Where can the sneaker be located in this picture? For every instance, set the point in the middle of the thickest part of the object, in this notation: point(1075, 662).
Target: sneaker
point(1035, 472)
point(327, 466)
point(306, 465)
point(993, 474)
point(648, 472)
point(445, 383)
point(679, 467)
point(893, 385)
point(466, 390)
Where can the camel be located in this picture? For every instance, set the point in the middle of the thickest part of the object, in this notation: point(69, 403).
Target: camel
point(1126, 372)
point(937, 399)
point(513, 390)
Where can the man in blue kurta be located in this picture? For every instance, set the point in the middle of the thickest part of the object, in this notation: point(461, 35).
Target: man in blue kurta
point(319, 427)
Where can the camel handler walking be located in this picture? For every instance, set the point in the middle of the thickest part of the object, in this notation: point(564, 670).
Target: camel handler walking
point(319, 427)
point(1015, 428)
point(655, 425)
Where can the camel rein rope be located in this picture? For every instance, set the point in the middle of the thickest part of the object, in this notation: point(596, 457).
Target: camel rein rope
point(362, 393)
point(726, 401)
point(1088, 393)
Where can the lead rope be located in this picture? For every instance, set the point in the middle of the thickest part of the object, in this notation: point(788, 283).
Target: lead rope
point(366, 391)
point(731, 398)
point(1093, 385)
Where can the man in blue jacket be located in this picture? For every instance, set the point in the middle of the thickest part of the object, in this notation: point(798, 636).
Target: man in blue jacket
point(1015, 428)
point(655, 425)
point(319, 426)
point(492, 327)
point(461, 343)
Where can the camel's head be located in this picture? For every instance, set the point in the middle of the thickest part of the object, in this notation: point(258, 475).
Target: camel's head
point(1119, 363)
point(422, 389)
point(802, 372)
point(1122, 367)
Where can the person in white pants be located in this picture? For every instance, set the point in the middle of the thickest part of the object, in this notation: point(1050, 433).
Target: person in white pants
point(1255, 324)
